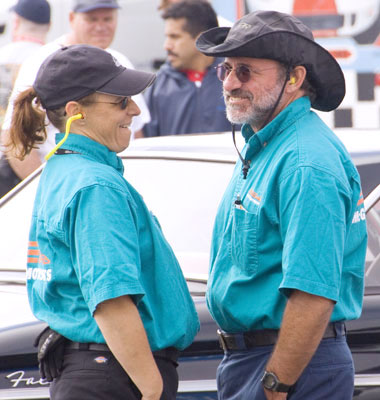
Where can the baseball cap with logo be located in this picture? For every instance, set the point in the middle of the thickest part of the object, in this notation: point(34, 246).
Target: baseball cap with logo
point(74, 72)
point(37, 11)
point(83, 6)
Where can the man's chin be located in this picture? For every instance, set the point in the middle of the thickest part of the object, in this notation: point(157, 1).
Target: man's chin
point(237, 118)
point(101, 43)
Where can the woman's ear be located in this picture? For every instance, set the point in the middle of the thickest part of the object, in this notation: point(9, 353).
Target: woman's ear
point(73, 108)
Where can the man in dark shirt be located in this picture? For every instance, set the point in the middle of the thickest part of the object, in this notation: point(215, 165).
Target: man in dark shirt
point(187, 95)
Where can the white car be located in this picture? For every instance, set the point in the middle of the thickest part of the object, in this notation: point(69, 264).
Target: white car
point(182, 179)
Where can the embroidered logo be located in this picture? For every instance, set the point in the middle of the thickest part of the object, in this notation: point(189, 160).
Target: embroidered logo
point(254, 197)
point(361, 199)
point(101, 360)
point(360, 214)
point(244, 25)
point(36, 257)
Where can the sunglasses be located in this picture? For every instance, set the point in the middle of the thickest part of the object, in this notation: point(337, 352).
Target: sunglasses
point(243, 72)
point(123, 102)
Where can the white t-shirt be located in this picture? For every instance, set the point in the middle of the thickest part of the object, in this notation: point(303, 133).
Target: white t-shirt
point(12, 55)
point(27, 75)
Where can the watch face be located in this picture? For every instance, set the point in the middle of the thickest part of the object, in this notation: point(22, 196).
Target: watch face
point(269, 380)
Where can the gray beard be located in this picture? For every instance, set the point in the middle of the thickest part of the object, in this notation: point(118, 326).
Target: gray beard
point(259, 111)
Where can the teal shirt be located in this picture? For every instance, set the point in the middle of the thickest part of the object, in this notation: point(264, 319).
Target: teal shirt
point(300, 225)
point(92, 238)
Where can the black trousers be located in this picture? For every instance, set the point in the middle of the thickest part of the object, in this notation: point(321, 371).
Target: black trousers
point(97, 375)
point(8, 179)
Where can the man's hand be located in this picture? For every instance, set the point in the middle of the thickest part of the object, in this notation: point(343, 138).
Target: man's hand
point(275, 395)
point(305, 320)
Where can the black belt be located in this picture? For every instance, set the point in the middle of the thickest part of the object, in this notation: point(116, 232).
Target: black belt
point(268, 337)
point(171, 352)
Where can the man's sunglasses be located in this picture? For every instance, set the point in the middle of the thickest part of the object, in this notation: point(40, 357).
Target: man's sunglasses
point(123, 102)
point(243, 72)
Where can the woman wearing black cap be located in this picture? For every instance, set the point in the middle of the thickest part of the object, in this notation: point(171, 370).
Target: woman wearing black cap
point(97, 257)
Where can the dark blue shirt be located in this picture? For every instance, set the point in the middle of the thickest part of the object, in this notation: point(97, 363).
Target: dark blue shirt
point(178, 106)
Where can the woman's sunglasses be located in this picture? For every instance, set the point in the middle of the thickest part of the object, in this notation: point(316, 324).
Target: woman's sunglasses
point(123, 102)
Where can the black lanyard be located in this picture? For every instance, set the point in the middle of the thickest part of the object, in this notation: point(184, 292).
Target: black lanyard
point(61, 152)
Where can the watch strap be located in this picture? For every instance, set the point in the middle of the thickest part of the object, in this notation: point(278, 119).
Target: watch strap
point(271, 382)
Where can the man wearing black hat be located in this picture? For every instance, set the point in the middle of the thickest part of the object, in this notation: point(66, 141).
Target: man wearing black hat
point(287, 257)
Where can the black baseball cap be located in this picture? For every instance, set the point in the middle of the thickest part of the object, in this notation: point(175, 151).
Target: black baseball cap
point(74, 72)
point(90, 5)
point(37, 11)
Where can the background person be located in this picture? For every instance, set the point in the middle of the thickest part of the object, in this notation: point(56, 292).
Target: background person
point(295, 269)
point(30, 25)
point(92, 22)
point(98, 277)
point(186, 97)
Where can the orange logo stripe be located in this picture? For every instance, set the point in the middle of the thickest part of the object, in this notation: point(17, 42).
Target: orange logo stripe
point(35, 255)
point(255, 195)
point(361, 199)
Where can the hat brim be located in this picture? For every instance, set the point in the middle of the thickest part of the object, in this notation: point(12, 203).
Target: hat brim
point(128, 83)
point(323, 71)
point(96, 7)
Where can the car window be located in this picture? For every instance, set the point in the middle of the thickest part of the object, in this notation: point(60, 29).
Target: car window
point(184, 196)
point(372, 274)
point(369, 176)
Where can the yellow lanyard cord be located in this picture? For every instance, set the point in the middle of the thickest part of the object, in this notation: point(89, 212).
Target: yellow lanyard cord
point(68, 126)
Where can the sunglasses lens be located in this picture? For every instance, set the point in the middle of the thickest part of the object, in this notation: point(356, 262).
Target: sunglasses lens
point(222, 72)
point(243, 73)
point(124, 103)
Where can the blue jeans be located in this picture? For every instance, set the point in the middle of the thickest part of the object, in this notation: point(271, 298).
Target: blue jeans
point(329, 375)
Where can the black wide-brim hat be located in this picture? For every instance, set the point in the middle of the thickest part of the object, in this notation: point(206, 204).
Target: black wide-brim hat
point(284, 38)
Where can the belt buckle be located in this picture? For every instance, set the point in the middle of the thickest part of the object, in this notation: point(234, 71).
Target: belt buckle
point(222, 341)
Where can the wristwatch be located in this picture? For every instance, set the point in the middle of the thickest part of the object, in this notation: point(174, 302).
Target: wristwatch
point(272, 383)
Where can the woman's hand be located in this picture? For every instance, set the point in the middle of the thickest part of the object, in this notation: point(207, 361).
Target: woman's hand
point(123, 330)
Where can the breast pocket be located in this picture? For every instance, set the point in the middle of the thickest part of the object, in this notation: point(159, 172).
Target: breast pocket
point(244, 240)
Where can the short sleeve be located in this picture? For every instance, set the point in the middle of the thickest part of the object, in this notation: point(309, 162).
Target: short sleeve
point(313, 207)
point(104, 244)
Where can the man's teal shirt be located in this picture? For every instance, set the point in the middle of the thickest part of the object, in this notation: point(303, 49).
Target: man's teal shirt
point(92, 239)
point(300, 225)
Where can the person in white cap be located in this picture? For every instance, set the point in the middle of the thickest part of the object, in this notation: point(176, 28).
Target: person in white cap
point(97, 256)
point(92, 22)
point(29, 25)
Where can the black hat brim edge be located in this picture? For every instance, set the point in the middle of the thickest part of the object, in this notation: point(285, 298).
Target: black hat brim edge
point(128, 83)
point(323, 71)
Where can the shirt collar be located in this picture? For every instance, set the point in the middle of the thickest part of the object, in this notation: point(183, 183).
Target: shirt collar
point(257, 140)
point(89, 148)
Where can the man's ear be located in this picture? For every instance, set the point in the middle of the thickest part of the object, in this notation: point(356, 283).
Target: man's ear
point(297, 77)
